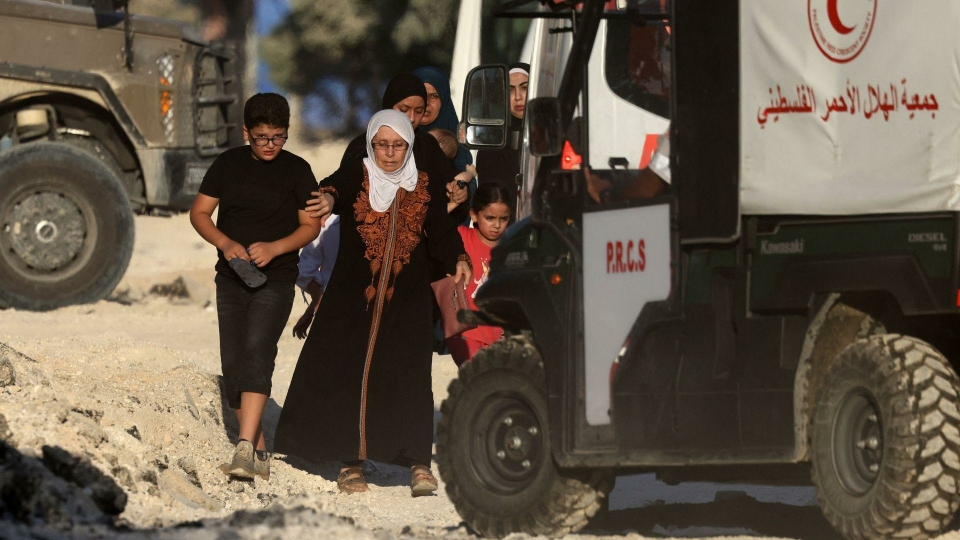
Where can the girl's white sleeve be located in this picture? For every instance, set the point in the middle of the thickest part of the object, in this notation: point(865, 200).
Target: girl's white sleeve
point(311, 259)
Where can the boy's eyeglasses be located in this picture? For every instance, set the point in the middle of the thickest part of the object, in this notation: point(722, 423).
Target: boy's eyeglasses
point(397, 146)
point(263, 141)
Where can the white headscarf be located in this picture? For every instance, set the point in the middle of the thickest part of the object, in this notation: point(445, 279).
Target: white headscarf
point(384, 185)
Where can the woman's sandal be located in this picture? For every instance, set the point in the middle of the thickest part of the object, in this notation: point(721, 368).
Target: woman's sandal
point(351, 480)
point(422, 481)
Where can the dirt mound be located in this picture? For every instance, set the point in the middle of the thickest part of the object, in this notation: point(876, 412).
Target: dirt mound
point(137, 448)
point(60, 491)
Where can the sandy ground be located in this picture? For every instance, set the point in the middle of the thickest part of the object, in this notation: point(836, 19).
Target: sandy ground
point(130, 384)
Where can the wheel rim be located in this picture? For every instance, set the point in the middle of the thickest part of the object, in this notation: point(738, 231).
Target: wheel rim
point(506, 444)
point(858, 442)
point(47, 232)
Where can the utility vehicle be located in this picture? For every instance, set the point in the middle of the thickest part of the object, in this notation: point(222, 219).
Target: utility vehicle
point(785, 310)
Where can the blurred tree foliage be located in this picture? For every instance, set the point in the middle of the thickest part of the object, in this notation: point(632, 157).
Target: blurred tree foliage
point(345, 52)
point(502, 38)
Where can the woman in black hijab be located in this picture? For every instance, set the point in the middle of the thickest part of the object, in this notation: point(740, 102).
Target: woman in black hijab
point(501, 167)
point(442, 114)
point(406, 93)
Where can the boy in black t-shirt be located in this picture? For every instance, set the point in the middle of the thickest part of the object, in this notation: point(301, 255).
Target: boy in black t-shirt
point(262, 191)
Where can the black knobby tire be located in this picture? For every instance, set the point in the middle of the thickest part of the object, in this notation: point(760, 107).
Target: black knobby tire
point(886, 440)
point(498, 404)
point(66, 228)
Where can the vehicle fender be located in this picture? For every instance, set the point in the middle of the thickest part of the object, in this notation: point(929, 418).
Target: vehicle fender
point(521, 300)
point(91, 86)
point(13, 91)
point(834, 326)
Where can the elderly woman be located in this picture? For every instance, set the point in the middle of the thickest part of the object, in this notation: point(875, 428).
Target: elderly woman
point(407, 94)
point(362, 387)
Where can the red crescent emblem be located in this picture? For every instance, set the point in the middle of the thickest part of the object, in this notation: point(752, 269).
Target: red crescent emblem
point(837, 41)
point(835, 18)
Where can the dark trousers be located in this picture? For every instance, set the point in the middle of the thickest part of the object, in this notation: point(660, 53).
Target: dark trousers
point(251, 322)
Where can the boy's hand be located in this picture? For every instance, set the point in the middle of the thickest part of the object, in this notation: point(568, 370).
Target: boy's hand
point(232, 250)
point(262, 253)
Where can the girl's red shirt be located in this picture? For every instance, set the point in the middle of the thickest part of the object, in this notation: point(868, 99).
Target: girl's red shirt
point(480, 259)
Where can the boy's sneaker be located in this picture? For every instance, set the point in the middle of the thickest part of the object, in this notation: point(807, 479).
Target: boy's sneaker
point(261, 468)
point(243, 464)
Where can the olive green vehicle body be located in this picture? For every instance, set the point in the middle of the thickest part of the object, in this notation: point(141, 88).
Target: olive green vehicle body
point(63, 54)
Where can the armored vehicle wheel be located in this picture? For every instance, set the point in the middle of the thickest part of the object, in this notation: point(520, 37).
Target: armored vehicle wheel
point(66, 229)
point(886, 440)
point(493, 448)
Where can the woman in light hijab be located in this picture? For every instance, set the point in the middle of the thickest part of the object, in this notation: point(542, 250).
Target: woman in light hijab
point(362, 387)
point(407, 94)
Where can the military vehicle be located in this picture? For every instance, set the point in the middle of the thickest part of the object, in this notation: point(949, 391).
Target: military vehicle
point(102, 115)
point(785, 311)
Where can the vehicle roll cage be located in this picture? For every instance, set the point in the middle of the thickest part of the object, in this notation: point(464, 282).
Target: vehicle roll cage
point(640, 12)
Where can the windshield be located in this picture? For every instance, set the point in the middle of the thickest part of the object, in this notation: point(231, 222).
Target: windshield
point(638, 63)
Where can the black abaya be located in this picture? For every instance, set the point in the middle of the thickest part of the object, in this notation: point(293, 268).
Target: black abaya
point(362, 386)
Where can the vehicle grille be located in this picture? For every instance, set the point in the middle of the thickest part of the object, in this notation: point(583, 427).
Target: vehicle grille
point(219, 108)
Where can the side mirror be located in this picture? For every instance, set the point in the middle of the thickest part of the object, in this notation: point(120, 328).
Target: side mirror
point(485, 108)
point(543, 123)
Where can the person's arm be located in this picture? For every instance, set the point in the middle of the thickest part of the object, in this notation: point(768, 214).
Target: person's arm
point(311, 260)
point(646, 184)
point(309, 280)
point(304, 182)
point(315, 290)
point(463, 158)
point(354, 154)
point(302, 325)
point(458, 206)
point(445, 244)
point(262, 253)
point(327, 197)
point(597, 187)
point(459, 195)
point(443, 177)
point(201, 217)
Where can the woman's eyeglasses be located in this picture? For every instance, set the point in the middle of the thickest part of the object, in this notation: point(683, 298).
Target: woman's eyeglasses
point(397, 146)
point(263, 141)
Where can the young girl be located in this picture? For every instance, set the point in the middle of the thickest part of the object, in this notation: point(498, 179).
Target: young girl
point(490, 214)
